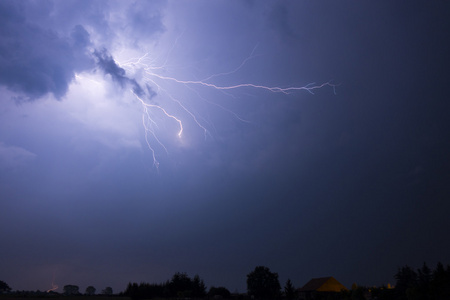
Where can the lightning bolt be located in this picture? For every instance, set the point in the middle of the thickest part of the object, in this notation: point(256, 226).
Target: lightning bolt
point(149, 123)
point(151, 72)
point(54, 286)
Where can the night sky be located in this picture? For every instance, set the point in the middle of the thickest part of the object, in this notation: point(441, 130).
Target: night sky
point(350, 181)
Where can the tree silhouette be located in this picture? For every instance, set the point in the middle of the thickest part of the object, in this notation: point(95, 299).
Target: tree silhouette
point(90, 290)
point(440, 282)
point(107, 291)
point(423, 284)
point(406, 281)
point(4, 287)
point(182, 285)
point(198, 287)
point(219, 292)
point(289, 290)
point(423, 280)
point(71, 289)
point(261, 283)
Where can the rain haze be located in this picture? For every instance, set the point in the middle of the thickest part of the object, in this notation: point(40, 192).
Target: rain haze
point(143, 138)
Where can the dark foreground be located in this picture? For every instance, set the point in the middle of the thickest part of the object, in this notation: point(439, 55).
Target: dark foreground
point(12, 297)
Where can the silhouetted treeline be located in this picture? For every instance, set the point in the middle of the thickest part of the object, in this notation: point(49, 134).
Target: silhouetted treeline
point(423, 284)
point(180, 286)
point(420, 284)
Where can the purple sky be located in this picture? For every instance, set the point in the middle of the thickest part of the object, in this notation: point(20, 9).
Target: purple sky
point(97, 188)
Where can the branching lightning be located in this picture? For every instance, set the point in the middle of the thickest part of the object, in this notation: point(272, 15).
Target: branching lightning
point(148, 122)
point(152, 77)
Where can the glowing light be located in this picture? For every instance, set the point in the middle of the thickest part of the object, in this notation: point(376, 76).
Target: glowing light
point(54, 286)
point(146, 67)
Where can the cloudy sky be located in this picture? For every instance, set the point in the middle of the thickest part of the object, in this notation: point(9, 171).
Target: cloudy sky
point(99, 185)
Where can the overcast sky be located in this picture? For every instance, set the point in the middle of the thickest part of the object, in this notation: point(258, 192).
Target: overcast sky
point(97, 186)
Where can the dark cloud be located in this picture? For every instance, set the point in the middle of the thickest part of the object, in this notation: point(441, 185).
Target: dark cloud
point(108, 65)
point(80, 37)
point(35, 61)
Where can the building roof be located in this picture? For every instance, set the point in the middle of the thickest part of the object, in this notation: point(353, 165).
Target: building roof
point(323, 284)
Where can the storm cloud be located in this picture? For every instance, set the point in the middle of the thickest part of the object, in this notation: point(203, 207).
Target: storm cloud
point(35, 61)
point(350, 182)
point(107, 64)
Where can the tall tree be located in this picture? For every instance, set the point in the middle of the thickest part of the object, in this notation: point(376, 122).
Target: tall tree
point(289, 290)
point(180, 285)
point(406, 282)
point(440, 282)
point(261, 283)
point(198, 287)
point(423, 282)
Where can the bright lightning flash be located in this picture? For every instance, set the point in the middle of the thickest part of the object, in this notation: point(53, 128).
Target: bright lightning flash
point(152, 76)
